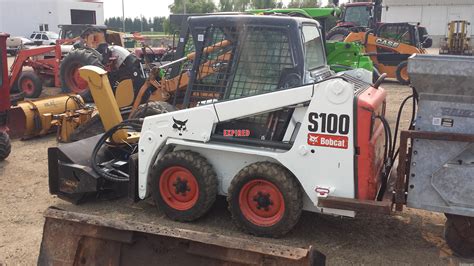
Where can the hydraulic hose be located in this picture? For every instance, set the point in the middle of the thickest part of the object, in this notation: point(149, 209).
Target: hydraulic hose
point(132, 124)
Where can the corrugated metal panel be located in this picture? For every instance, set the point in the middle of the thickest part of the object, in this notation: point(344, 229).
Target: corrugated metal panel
point(426, 2)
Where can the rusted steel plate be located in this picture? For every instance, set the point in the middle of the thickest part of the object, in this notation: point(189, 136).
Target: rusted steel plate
point(78, 238)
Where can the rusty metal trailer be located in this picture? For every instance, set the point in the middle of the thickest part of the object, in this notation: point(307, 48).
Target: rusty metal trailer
point(80, 237)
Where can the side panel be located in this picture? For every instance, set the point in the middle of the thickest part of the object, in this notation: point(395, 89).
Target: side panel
point(370, 142)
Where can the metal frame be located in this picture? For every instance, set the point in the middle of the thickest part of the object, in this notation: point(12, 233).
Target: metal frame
point(404, 160)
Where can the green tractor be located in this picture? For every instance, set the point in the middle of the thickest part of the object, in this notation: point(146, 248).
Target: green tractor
point(340, 55)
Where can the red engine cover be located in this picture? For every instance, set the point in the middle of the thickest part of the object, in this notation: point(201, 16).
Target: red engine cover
point(370, 142)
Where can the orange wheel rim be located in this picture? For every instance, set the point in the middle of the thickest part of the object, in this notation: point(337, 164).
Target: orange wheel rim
point(261, 202)
point(179, 188)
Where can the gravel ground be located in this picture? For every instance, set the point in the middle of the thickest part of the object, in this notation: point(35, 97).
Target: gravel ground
point(410, 237)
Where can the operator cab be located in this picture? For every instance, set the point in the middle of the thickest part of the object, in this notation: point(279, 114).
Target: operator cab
point(230, 64)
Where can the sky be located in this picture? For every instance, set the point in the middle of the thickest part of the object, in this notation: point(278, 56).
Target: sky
point(147, 8)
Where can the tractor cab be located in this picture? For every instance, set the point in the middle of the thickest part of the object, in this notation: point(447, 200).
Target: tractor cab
point(361, 14)
point(406, 33)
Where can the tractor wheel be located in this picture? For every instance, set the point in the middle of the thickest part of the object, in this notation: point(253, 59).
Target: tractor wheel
point(153, 108)
point(71, 81)
point(402, 73)
point(337, 34)
point(265, 199)
point(30, 84)
point(5, 145)
point(459, 234)
point(184, 185)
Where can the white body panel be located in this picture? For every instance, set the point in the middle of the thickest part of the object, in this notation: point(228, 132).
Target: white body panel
point(314, 166)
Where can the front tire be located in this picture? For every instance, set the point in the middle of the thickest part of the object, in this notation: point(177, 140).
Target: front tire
point(402, 73)
point(30, 84)
point(5, 145)
point(265, 199)
point(459, 234)
point(184, 185)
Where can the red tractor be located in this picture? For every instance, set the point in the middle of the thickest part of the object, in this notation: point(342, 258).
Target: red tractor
point(362, 15)
point(5, 146)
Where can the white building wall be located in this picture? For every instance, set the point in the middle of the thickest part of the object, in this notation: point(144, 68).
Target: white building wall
point(22, 17)
point(434, 14)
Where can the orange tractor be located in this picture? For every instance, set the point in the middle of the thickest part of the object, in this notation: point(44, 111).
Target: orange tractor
point(390, 46)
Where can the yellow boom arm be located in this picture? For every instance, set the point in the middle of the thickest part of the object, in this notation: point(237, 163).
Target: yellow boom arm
point(104, 99)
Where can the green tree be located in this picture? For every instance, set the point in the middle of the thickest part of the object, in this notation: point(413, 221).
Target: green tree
point(226, 5)
point(303, 3)
point(259, 4)
point(193, 6)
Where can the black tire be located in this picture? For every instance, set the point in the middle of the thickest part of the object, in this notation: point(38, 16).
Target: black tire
point(153, 108)
point(203, 174)
point(30, 84)
point(71, 62)
point(401, 75)
point(5, 145)
point(88, 129)
point(287, 185)
point(337, 34)
point(459, 235)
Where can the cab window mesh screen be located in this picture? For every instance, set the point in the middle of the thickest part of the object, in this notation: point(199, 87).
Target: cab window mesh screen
point(213, 73)
point(265, 53)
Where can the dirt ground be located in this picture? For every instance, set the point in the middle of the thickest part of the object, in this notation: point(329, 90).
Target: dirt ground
point(410, 237)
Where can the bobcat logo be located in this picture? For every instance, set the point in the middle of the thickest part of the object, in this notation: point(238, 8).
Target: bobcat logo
point(180, 126)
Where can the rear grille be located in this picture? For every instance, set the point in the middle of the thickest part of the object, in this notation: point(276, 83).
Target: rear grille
point(359, 85)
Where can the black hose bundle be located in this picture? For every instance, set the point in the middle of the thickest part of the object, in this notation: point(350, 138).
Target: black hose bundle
point(131, 124)
point(390, 154)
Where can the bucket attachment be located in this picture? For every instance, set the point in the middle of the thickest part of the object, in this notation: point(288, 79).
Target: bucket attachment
point(72, 238)
point(71, 176)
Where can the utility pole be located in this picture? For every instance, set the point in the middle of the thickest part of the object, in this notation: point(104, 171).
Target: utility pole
point(184, 3)
point(123, 16)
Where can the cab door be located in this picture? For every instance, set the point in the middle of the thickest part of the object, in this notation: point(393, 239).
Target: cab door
point(389, 37)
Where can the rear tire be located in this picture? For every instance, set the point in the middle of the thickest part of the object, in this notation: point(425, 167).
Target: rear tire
point(337, 34)
point(402, 73)
point(30, 84)
point(265, 199)
point(5, 145)
point(184, 185)
point(69, 74)
point(459, 234)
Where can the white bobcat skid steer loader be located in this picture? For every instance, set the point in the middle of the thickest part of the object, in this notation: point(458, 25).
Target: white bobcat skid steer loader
point(270, 127)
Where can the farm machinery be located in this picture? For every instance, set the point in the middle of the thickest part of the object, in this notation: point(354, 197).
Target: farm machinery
point(390, 46)
point(458, 41)
point(276, 132)
point(356, 16)
point(340, 56)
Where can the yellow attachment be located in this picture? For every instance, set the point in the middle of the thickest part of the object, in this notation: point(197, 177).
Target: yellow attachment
point(35, 118)
point(104, 99)
point(124, 93)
